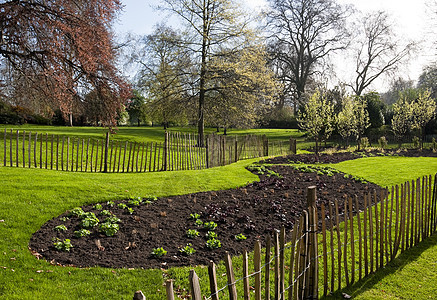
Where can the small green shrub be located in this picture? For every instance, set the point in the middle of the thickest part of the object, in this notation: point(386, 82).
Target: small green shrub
point(211, 235)
point(105, 212)
point(64, 245)
point(194, 216)
point(158, 252)
point(213, 244)
point(98, 207)
point(187, 250)
point(364, 142)
point(89, 220)
point(192, 233)
point(199, 223)
point(60, 228)
point(210, 225)
point(76, 212)
point(82, 232)
point(121, 205)
point(240, 237)
point(109, 229)
point(416, 142)
point(382, 141)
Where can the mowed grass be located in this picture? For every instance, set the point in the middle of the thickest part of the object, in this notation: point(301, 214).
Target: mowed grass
point(30, 197)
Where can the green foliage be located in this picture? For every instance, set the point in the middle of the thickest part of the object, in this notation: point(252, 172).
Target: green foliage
point(187, 250)
point(192, 233)
point(194, 216)
point(382, 142)
point(89, 220)
point(61, 228)
point(213, 243)
point(158, 252)
point(199, 223)
point(133, 202)
point(76, 212)
point(317, 118)
point(364, 143)
point(211, 235)
point(240, 237)
point(210, 225)
point(105, 212)
point(82, 232)
point(98, 207)
point(416, 141)
point(122, 205)
point(64, 245)
point(109, 228)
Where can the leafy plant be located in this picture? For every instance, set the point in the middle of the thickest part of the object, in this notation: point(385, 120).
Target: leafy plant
point(61, 228)
point(105, 212)
point(213, 243)
point(194, 216)
point(112, 219)
point(211, 235)
point(89, 220)
point(416, 142)
point(130, 210)
point(76, 212)
point(121, 205)
point(199, 222)
point(108, 228)
point(187, 250)
point(64, 245)
point(98, 207)
point(158, 252)
point(192, 233)
point(82, 232)
point(210, 225)
point(110, 203)
point(133, 203)
point(382, 141)
point(240, 237)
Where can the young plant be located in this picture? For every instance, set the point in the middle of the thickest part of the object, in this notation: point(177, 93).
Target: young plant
point(187, 250)
point(210, 225)
point(64, 245)
point(213, 244)
point(61, 228)
point(110, 203)
point(133, 203)
point(211, 235)
point(82, 232)
point(109, 229)
point(130, 210)
point(158, 252)
point(194, 216)
point(121, 205)
point(89, 220)
point(76, 212)
point(192, 233)
point(240, 237)
point(98, 207)
point(105, 212)
point(199, 222)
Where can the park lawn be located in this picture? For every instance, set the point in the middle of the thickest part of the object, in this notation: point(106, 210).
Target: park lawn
point(30, 197)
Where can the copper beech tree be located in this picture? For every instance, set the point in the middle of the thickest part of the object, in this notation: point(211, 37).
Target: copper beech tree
point(56, 52)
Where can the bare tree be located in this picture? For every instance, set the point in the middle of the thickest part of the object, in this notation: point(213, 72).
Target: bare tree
point(378, 50)
point(214, 27)
point(305, 33)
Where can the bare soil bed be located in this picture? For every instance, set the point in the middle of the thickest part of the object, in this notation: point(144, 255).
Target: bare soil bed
point(255, 211)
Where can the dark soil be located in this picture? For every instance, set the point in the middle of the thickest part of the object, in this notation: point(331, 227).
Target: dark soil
point(255, 210)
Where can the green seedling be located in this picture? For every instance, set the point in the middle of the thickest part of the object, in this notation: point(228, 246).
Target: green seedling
point(213, 244)
point(210, 225)
point(64, 245)
point(192, 233)
point(82, 232)
point(240, 237)
point(158, 252)
point(187, 250)
point(61, 228)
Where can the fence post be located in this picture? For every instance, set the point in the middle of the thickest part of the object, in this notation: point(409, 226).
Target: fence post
point(105, 166)
point(312, 285)
point(165, 150)
point(195, 286)
point(265, 145)
point(293, 145)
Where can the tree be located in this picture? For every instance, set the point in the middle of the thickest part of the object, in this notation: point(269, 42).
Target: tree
point(397, 86)
point(361, 116)
point(428, 80)
point(401, 122)
point(345, 120)
point(243, 88)
point(304, 33)
point(375, 108)
point(63, 49)
point(213, 26)
point(317, 118)
point(422, 111)
point(378, 51)
point(136, 108)
point(163, 65)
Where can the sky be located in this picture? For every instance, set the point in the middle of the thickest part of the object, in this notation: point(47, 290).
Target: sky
point(411, 19)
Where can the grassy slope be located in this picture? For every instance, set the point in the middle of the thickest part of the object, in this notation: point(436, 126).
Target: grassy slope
point(411, 275)
point(30, 197)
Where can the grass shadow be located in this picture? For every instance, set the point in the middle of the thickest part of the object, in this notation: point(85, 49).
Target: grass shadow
point(372, 281)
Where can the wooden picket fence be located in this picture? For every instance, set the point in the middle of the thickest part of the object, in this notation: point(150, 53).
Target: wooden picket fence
point(353, 240)
point(179, 151)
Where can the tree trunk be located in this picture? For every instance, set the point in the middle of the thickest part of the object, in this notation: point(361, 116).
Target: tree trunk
point(225, 132)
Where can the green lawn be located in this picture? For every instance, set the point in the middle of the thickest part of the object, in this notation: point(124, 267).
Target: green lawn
point(30, 197)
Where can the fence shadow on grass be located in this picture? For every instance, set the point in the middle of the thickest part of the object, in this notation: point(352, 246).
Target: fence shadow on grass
point(371, 281)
